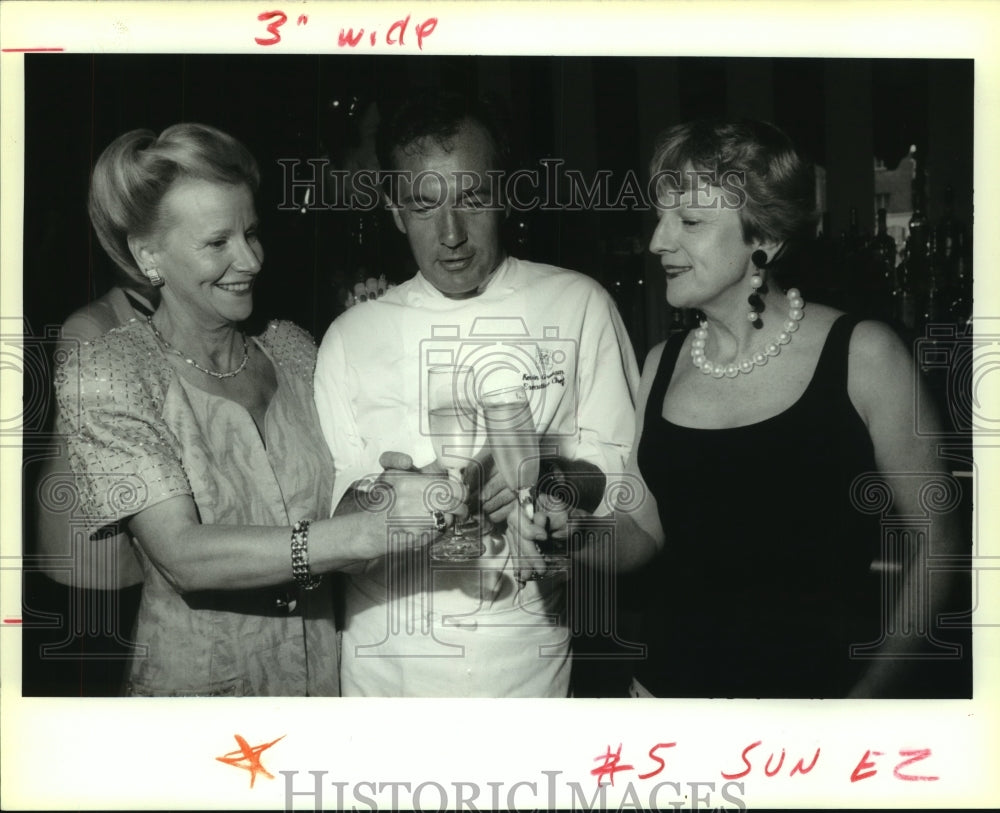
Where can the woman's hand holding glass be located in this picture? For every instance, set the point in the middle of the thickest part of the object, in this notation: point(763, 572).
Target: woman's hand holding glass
point(524, 537)
point(427, 495)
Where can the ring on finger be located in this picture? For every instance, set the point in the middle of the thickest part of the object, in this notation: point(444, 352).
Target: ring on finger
point(440, 523)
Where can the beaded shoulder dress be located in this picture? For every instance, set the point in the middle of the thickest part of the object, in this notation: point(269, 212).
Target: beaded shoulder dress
point(765, 580)
point(139, 434)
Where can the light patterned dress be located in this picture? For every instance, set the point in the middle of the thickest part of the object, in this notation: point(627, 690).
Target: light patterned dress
point(138, 434)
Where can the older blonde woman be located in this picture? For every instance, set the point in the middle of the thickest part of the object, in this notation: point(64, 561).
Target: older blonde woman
point(205, 441)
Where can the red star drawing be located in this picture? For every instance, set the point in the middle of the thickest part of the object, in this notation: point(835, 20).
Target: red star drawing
point(248, 758)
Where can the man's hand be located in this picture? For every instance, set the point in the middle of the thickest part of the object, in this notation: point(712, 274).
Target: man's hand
point(486, 485)
point(497, 499)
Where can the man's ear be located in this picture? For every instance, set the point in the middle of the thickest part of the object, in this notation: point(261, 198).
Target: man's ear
point(394, 208)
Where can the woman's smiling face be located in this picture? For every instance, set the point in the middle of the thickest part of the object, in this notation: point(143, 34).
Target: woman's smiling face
point(208, 250)
point(699, 240)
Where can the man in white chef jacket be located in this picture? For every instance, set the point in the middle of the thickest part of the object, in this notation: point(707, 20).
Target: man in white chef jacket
point(415, 628)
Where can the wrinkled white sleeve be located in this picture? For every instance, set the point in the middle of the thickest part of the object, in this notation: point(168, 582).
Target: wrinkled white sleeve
point(335, 387)
point(607, 382)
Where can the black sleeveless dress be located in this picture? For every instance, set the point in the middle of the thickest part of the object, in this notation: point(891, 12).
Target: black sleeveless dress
point(764, 581)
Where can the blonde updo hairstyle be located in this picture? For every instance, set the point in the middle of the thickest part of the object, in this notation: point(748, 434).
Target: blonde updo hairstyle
point(134, 173)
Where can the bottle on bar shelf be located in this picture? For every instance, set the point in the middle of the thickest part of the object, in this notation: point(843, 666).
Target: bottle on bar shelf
point(913, 270)
point(884, 251)
point(952, 243)
point(937, 298)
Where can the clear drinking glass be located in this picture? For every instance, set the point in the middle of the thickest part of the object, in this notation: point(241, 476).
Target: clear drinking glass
point(453, 417)
point(513, 440)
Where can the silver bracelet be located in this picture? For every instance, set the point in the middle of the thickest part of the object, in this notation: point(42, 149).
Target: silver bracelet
point(300, 557)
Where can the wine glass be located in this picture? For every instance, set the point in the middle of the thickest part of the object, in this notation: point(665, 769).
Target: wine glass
point(452, 414)
point(513, 441)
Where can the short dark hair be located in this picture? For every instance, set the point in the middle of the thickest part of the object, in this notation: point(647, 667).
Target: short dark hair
point(778, 186)
point(438, 115)
point(137, 169)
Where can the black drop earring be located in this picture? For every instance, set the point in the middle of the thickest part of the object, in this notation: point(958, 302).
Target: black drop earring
point(759, 286)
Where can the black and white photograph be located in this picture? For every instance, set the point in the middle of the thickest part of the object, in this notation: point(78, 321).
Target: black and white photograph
point(645, 391)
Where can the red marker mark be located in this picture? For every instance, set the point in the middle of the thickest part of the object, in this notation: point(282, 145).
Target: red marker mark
point(12, 621)
point(30, 50)
point(800, 765)
point(400, 27)
point(767, 765)
point(610, 766)
point(773, 765)
point(348, 37)
point(303, 19)
point(862, 770)
point(652, 755)
point(746, 762)
point(395, 35)
point(248, 758)
point(424, 30)
point(914, 756)
point(278, 19)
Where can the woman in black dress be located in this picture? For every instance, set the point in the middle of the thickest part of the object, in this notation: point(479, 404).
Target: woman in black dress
point(763, 436)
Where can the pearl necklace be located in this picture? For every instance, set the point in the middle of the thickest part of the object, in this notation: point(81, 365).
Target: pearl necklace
point(168, 346)
point(758, 359)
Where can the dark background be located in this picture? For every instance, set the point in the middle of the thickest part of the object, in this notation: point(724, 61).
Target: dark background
point(593, 113)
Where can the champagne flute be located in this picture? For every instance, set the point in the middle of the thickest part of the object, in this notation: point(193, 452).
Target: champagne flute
point(452, 415)
point(513, 441)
